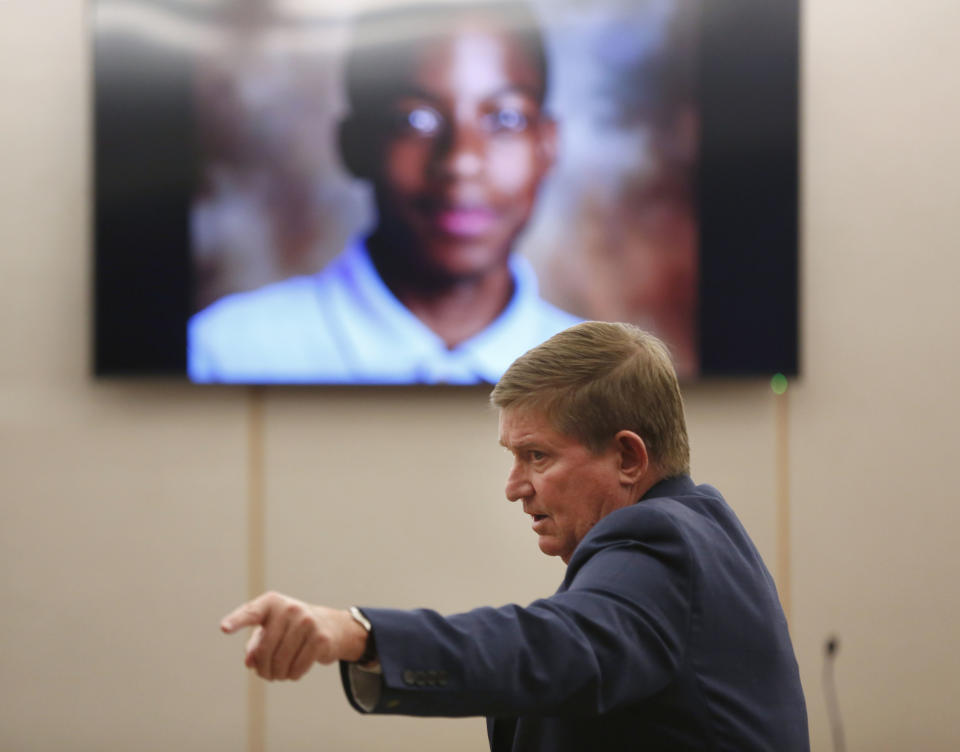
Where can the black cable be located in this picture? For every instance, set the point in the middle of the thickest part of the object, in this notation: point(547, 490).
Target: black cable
point(831, 648)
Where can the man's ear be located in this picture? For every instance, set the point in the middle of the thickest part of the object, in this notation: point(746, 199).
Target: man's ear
point(634, 459)
point(355, 144)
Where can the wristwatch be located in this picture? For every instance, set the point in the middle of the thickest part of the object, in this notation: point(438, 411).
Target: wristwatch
point(370, 652)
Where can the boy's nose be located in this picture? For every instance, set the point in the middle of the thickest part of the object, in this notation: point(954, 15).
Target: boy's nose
point(462, 155)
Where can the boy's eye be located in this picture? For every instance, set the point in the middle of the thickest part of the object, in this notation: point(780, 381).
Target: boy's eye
point(424, 121)
point(506, 120)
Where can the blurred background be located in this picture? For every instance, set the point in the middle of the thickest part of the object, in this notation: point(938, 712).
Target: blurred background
point(134, 514)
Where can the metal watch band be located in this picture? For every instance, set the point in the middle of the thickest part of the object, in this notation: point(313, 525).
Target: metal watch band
point(370, 652)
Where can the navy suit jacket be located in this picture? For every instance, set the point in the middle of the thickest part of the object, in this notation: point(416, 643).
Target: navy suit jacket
point(666, 634)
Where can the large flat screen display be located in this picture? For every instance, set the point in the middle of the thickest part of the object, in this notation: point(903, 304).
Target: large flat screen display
point(294, 192)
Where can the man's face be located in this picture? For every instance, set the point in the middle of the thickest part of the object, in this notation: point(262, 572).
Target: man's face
point(466, 148)
point(564, 487)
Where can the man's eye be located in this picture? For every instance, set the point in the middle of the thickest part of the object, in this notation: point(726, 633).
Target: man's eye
point(536, 455)
point(506, 120)
point(424, 121)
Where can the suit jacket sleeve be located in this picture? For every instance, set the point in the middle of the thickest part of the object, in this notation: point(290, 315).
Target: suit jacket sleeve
point(613, 634)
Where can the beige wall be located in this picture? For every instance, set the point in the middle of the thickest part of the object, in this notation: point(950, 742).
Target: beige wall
point(123, 506)
point(876, 424)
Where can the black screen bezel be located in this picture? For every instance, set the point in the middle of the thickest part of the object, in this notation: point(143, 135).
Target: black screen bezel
point(748, 197)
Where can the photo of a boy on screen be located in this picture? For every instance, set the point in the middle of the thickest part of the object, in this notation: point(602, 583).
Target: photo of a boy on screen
point(447, 123)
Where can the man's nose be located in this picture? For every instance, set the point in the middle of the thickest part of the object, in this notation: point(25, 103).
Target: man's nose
point(518, 486)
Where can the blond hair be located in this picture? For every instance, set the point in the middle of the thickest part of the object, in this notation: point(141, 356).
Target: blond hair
point(597, 378)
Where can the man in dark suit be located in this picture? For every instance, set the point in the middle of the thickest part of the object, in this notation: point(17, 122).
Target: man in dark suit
point(666, 633)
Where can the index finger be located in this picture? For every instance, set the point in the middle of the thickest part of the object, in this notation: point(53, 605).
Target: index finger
point(249, 614)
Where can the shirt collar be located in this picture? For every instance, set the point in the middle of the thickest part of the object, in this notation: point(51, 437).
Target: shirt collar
point(484, 351)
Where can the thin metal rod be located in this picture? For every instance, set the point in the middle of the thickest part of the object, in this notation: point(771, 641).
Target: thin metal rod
point(782, 432)
point(256, 557)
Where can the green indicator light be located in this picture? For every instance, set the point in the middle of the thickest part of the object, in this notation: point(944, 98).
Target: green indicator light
point(778, 383)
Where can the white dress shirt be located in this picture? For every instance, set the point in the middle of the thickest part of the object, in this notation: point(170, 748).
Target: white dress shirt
point(343, 325)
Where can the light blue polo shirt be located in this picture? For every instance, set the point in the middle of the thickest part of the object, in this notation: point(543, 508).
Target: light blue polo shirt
point(344, 326)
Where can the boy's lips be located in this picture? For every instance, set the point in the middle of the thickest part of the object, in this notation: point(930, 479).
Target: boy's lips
point(466, 221)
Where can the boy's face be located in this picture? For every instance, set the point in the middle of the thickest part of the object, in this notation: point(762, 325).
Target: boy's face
point(465, 150)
